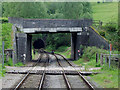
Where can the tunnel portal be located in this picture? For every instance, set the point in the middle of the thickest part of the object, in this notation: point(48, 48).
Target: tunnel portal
point(38, 44)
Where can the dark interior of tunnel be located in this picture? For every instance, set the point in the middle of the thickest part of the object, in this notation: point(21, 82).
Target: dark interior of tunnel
point(38, 44)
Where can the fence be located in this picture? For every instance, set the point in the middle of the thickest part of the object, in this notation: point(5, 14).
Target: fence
point(106, 58)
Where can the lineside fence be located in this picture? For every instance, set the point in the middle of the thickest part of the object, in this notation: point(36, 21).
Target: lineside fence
point(0, 57)
point(6, 55)
point(112, 60)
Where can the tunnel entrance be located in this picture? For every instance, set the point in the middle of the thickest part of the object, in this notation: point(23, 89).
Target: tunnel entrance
point(38, 44)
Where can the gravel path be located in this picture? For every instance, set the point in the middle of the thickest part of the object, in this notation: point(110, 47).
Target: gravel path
point(76, 81)
point(32, 81)
point(54, 81)
point(10, 80)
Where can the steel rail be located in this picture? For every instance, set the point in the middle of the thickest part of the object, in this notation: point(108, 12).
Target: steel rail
point(64, 75)
point(79, 73)
point(43, 75)
point(26, 76)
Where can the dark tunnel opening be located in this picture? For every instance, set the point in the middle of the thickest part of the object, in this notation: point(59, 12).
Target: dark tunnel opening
point(38, 44)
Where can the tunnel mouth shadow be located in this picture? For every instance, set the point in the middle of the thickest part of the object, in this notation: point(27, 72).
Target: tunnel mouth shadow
point(38, 44)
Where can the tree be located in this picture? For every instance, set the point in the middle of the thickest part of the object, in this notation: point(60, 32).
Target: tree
point(24, 9)
point(77, 10)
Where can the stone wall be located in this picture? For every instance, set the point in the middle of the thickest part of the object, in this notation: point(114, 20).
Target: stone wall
point(96, 40)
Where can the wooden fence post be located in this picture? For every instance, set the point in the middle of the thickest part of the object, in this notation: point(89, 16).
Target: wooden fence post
point(105, 59)
point(96, 58)
point(7, 56)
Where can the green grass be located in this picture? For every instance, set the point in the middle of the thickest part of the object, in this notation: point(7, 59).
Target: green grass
point(107, 79)
point(19, 64)
point(79, 62)
point(65, 51)
point(10, 63)
point(105, 12)
point(2, 71)
point(109, 76)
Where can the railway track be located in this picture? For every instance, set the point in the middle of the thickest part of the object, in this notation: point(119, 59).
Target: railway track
point(64, 75)
point(19, 85)
point(42, 77)
point(79, 73)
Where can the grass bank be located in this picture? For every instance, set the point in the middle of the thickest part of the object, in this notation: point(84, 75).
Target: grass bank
point(109, 76)
point(105, 12)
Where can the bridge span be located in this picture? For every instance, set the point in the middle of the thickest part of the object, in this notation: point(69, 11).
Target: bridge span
point(81, 34)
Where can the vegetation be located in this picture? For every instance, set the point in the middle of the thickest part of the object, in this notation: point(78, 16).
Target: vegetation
point(54, 41)
point(111, 34)
point(2, 71)
point(65, 51)
point(47, 10)
point(106, 12)
point(7, 35)
point(109, 76)
point(55, 10)
point(9, 62)
point(19, 64)
point(90, 58)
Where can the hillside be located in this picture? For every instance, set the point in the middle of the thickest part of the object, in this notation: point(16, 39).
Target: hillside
point(105, 12)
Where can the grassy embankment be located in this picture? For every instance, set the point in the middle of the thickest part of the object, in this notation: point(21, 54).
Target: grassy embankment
point(109, 77)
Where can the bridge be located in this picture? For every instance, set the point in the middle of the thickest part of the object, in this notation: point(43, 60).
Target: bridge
point(82, 33)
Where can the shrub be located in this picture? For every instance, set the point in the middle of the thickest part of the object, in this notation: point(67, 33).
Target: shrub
point(110, 27)
point(112, 34)
point(10, 62)
point(4, 20)
point(102, 33)
point(92, 52)
point(6, 34)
